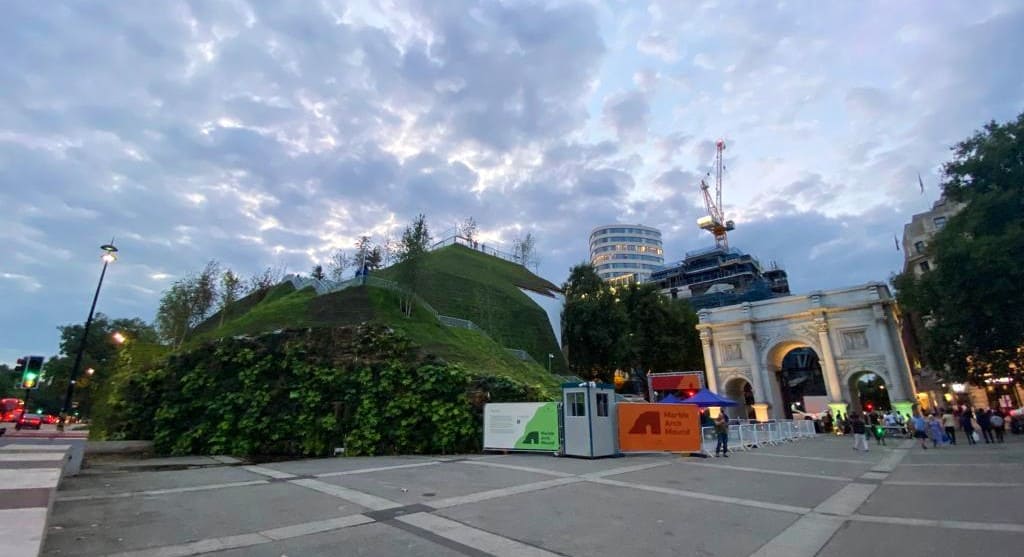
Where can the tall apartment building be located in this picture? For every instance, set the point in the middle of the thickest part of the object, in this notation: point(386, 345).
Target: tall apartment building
point(626, 252)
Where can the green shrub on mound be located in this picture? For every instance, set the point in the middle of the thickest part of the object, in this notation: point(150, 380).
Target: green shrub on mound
point(305, 392)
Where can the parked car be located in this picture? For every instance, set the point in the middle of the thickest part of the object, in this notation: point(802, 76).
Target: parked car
point(29, 421)
point(50, 419)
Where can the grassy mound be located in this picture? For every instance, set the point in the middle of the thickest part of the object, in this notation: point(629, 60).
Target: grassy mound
point(465, 283)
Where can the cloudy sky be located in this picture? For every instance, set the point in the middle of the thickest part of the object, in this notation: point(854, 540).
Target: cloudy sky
point(271, 133)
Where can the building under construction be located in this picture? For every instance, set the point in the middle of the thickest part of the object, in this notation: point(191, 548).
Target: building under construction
point(719, 276)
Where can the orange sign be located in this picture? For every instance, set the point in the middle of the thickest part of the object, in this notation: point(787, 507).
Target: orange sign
point(659, 427)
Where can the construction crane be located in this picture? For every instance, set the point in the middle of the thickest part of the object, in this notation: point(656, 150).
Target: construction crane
point(714, 222)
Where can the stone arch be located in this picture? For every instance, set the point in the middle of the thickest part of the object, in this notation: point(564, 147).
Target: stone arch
point(876, 392)
point(739, 388)
point(774, 358)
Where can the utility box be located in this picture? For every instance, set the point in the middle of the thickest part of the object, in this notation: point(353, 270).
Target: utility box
point(589, 420)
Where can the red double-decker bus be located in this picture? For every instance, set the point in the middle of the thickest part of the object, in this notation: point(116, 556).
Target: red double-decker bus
point(11, 409)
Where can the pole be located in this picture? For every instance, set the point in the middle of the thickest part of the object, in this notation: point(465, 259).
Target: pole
point(78, 356)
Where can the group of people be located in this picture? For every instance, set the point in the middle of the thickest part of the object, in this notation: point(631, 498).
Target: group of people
point(976, 424)
point(938, 427)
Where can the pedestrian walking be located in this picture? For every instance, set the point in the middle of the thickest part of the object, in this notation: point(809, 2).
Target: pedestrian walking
point(860, 442)
point(949, 424)
point(920, 427)
point(967, 424)
point(722, 431)
point(826, 422)
point(984, 419)
point(935, 432)
point(998, 422)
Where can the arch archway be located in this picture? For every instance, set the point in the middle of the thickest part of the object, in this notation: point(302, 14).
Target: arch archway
point(799, 384)
point(868, 392)
point(740, 390)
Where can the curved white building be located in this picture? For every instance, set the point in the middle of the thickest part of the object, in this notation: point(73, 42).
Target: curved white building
point(626, 252)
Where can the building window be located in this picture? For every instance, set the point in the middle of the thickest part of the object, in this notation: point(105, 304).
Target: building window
point(732, 352)
point(854, 341)
point(925, 267)
point(602, 404)
point(940, 222)
point(576, 404)
point(919, 247)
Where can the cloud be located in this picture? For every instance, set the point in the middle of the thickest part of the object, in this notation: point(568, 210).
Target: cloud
point(271, 133)
point(627, 114)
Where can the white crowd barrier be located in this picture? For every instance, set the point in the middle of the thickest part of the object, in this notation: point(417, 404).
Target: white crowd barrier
point(745, 435)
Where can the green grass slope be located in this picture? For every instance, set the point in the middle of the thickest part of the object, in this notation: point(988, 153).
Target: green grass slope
point(461, 282)
point(282, 307)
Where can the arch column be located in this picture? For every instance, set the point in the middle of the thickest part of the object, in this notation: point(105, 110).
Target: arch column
point(833, 388)
point(710, 368)
point(756, 373)
point(899, 375)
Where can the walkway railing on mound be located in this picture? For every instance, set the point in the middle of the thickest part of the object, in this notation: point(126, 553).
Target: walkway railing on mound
point(327, 286)
point(477, 246)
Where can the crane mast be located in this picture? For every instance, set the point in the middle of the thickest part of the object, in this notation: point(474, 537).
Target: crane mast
point(715, 222)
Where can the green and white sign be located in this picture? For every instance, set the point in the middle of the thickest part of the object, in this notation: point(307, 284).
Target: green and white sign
point(521, 426)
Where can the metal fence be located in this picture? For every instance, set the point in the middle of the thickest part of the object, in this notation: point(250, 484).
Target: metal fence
point(751, 435)
point(478, 246)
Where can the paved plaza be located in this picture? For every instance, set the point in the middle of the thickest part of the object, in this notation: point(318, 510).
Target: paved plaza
point(810, 497)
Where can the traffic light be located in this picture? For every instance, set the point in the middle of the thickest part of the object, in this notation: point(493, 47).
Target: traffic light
point(33, 368)
point(20, 367)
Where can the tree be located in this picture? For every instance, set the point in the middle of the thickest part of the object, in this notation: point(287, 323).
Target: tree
point(364, 246)
point(594, 325)
point(415, 243)
point(337, 263)
point(525, 250)
point(467, 229)
point(374, 259)
point(971, 301)
point(230, 290)
point(265, 279)
point(187, 303)
point(318, 272)
point(662, 334)
point(100, 354)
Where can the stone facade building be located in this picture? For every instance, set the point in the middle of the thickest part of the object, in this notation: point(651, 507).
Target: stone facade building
point(849, 332)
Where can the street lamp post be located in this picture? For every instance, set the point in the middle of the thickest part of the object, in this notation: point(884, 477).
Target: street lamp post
point(109, 256)
point(550, 357)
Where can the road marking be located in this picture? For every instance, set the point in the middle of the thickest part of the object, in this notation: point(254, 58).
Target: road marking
point(152, 492)
point(307, 528)
point(22, 530)
point(29, 478)
point(515, 467)
point(625, 470)
point(874, 475)
point(377, 469)
point(766, 471)
point(27, 456)
point(818, 458)
point(38, 447)
point(706, 496)
point(371, 502)
point(954, 484)
point(948, 524)
point(473, 537)
point(502, 492)
point(890, 461)
point(198, 547)
point(847, 500)
point(803, 538)
point(985, 464)
point(269, 472)
point(247, 540)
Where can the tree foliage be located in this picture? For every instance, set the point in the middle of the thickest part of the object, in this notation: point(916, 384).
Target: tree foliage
point(415, 244)
point(187, 303)
point(336, 265)
point(318, 272)
point(972, 302)
point(468, 228)
point(629, 327)
point(524, 249)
